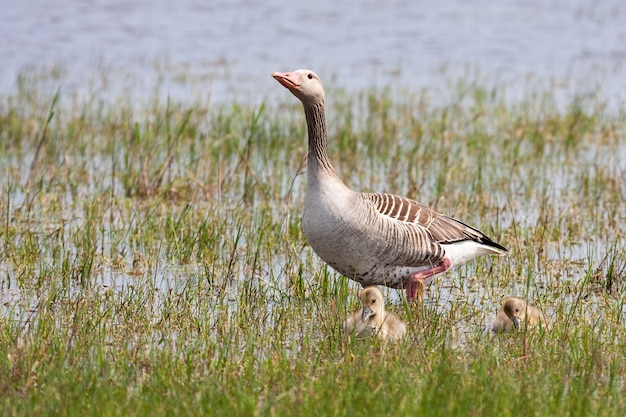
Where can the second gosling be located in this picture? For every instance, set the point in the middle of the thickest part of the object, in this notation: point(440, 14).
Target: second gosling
point(516, 311)
point(372, 319)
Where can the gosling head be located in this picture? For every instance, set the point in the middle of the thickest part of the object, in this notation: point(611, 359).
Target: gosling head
point(373, 303)
point(515, 309)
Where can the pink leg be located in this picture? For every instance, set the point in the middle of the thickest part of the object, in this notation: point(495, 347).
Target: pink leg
point(415, 284)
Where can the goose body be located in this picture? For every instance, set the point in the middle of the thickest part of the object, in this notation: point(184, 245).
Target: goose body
point(373, 238)
point(515, 312)
point(372, 319)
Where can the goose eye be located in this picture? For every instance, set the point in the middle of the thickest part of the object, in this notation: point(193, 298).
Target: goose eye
point(310, 76)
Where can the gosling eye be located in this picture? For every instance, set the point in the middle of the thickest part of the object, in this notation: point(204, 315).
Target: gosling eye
point(373, 301)
point(310, 76)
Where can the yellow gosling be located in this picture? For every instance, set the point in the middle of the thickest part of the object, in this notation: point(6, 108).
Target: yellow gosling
point(516, 311)
point(372, 319)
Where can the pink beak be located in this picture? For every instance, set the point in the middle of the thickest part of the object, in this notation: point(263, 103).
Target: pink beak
point(289, 80)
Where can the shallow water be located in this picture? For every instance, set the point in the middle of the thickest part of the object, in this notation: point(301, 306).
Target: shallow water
point(226, 50)
point(232, 46)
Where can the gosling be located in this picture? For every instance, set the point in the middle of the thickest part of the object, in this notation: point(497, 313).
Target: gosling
point(372, 319)
point(516, 311)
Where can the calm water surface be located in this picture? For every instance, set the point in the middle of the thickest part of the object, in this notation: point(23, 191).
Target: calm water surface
point(237, 44)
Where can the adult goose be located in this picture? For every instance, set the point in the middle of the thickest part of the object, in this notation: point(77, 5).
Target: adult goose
point(372, 238)
point(372, 319)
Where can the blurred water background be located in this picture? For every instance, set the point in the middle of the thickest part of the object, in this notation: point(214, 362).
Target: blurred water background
point(228, 48)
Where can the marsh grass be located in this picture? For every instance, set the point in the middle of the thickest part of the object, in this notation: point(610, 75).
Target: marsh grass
point(152, 259)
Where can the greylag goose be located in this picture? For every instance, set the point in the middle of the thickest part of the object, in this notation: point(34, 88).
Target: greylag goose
point(516, 311)
point(373, 238)
point(372, 319)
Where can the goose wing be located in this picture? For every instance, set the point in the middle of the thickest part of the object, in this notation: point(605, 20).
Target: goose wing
point(440, 228)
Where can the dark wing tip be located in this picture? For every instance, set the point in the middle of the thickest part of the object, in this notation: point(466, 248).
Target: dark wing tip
point(487, 241)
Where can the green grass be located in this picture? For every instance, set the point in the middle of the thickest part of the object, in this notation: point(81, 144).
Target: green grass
point(152, 259)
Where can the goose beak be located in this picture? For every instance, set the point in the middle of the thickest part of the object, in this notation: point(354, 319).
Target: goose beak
point(516, 323)
point(288, 80)
point(367, 312)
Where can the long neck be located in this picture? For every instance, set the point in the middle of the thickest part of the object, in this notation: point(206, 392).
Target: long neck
point(318, 159)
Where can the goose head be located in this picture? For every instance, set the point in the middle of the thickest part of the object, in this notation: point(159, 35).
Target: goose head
point(303, 83)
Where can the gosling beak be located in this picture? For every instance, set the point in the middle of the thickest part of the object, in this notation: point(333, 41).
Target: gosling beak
point(516, 323)
point(367, 312)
